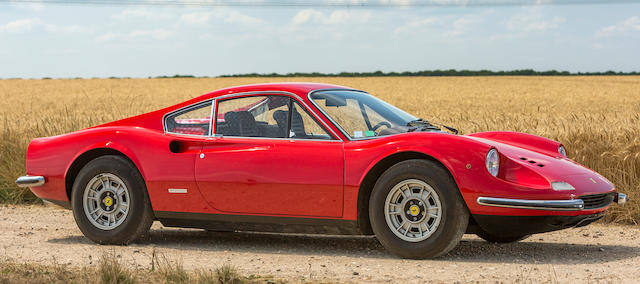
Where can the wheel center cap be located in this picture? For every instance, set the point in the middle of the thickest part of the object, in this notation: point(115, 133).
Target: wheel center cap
point(414, 210)
point(108, 201)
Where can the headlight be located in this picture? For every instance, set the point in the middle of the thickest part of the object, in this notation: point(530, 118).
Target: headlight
point(562, 151)
point(493, 162)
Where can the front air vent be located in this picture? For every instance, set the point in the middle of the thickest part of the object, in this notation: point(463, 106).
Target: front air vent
point(531, 162)
point(595, 201)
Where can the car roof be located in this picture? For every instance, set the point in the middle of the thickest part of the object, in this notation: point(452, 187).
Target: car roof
point(299, 88)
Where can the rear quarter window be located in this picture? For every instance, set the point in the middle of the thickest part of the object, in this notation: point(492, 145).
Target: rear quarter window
point(194, 120)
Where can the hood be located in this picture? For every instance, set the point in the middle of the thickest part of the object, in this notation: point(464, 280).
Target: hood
point(537, 168)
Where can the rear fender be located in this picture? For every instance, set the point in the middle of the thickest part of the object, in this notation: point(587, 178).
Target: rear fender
point(108, 145)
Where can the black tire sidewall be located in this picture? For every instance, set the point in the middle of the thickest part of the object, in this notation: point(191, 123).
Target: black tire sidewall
point(130, 229)
point(454, 212)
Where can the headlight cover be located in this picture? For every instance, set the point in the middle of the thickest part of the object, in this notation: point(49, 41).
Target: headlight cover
point(561, 185)
point(562, 151)
point(493, 162)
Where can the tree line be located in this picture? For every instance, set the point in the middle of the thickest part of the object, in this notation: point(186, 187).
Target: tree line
point(450, 72)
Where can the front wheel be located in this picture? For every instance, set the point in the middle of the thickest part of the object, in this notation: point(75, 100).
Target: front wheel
point(416, 210)
point(110, 202)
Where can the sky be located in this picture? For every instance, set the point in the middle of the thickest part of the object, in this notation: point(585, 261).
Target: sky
point(42, 40)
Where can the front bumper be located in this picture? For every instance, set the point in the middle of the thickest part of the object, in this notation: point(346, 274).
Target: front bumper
point(554, 205)
point(30, 181)
point(559, 205)
point(515, 226)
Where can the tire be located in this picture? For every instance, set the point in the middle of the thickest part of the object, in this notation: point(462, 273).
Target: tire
point(126, 192)
point(418, 243)
point(499, 239)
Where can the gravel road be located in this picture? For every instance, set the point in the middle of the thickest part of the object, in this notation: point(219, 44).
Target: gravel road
point(597, 253)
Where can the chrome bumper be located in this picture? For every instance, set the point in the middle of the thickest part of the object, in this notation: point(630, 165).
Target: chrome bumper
point(558, 205)
point(29, 181)
point(620, 198)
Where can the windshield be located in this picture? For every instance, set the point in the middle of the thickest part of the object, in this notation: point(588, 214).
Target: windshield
point(361, 115)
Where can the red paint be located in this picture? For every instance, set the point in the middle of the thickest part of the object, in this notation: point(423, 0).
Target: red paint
point(318, 179)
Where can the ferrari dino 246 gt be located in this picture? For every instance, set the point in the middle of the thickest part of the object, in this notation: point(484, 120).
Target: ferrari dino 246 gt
point(312, 158)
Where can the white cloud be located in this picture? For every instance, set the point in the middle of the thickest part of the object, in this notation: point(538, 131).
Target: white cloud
point(72, 29)
point(416, 24)
point(338, 17)
point(227, 16)
point(241, 19)
point(156, 34)
point(305, 16)
point(108, 37)
point(630, 24)
point(36, 7)
point(401, 3)
point(132, 13)
point(18, 26)
point(461, 25)
point(445, 25)
point(196, 18)
point(533, 22)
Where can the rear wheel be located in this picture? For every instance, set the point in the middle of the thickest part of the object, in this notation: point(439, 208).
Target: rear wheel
point(416, 210)
point(110, 202)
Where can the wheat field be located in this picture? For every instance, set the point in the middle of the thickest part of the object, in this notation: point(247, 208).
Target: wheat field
point(597, 118)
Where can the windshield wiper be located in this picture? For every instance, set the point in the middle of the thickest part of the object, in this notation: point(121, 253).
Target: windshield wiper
point(426, 125)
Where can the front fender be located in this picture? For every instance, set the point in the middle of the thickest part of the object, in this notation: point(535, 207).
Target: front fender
point(522, 140)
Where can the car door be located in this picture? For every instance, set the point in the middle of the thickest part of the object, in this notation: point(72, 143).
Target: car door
point(260, 161)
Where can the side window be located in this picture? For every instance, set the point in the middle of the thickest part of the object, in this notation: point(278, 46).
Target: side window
point(348, 115)
point(255, 116)
point(304, 126)
point(192, 121)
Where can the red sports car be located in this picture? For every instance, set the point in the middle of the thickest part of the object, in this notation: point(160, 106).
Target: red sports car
point(312, 158)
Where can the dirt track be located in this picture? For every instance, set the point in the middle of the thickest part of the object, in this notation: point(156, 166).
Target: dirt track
point(597, 253)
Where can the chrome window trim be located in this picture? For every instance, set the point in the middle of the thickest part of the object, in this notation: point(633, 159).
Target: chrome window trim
point(187, 108)
point(555, 205)
point(213, 112)
point(273, 138)
point(214, 107)
point(333, 121)
point(299, 100)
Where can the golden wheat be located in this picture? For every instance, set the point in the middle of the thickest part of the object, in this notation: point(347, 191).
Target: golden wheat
point(597, 118)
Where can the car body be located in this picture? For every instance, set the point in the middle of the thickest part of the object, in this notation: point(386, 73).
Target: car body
point(232, 173)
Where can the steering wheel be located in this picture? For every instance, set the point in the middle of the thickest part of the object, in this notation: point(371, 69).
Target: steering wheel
point(383, 123)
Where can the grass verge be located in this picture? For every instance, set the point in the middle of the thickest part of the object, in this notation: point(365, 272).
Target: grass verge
point(111, 271)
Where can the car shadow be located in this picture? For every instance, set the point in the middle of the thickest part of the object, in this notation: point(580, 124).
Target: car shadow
point(469, 249)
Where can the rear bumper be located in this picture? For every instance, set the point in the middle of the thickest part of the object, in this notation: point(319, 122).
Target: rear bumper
point(30, 181)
